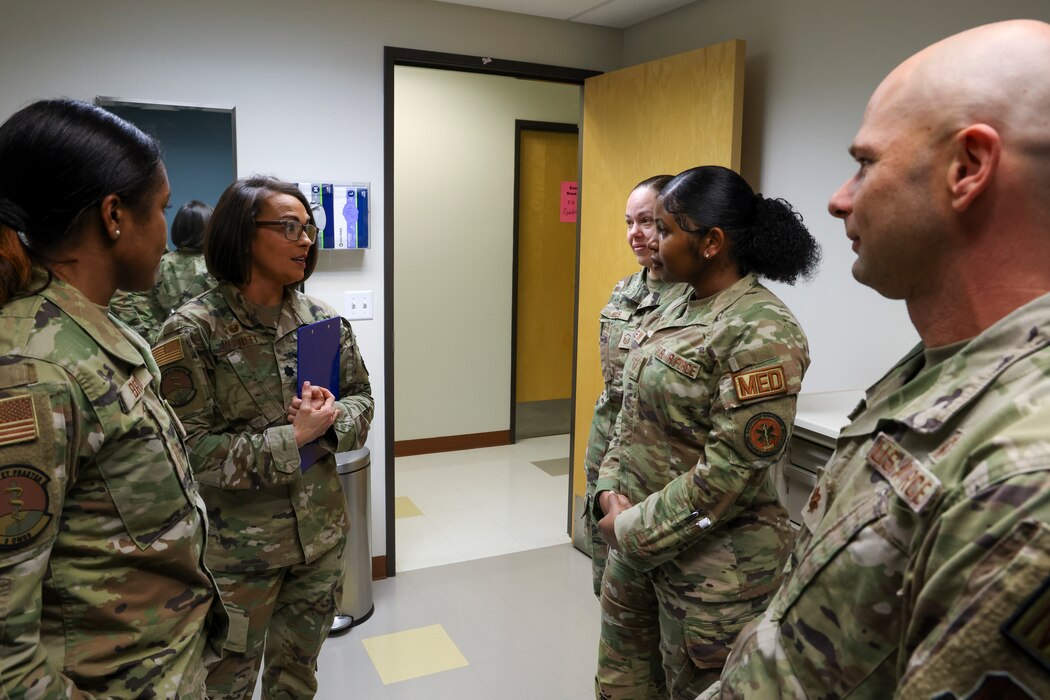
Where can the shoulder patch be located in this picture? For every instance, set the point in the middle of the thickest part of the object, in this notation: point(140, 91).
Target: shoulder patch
point(760, 383)
point(765, 434)
point(18, 421)
point(177, 387)
point(168, 352)
point(1029, 626)
point(25, 508)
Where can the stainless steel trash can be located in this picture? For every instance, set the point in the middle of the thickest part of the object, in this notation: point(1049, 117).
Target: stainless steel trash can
point(355, 605)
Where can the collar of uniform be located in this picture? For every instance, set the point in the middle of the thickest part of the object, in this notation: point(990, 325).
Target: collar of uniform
point(930, 400)
point(634, 286)
point(289, 320)
point(707, 309)
point(93, 320)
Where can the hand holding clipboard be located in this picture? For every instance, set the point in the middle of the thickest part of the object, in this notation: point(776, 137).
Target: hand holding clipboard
point(317, 363)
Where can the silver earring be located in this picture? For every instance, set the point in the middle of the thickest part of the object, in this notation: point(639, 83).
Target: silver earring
point(706, 255)
point(116, 233)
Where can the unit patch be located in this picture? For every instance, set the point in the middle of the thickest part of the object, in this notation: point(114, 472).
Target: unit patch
point(24, 504)
point(168, 352)
point(17, 420)
point(176, 386)
point(764, 434)
point(912, 481)
point(1029, 626)
point(678, 363)
point(760, 383)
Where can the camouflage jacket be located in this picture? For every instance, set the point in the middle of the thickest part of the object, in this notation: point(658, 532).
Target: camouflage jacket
point(231, 378)
point(632, 298)
point(923, 564)
point(709, 389)
point(140, 311)
point(182, 276)
point(103, 588)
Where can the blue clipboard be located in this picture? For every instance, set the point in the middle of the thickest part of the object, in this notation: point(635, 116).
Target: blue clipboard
point(317, 362)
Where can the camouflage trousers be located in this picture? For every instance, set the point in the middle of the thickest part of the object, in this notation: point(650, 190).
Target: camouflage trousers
point(658, 640)
point(283, 615)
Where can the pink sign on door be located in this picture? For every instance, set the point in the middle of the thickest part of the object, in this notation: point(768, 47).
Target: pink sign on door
point(567, 213)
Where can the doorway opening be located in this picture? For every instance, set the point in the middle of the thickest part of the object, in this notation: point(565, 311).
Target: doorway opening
point(461, 189)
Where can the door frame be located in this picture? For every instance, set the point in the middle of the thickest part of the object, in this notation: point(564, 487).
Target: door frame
point(394, 56)
point(521, 125)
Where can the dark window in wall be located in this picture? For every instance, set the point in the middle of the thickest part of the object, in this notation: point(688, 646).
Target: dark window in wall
point(197, 143)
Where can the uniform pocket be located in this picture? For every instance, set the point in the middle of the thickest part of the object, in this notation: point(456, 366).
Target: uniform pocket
point(707, 637)
point(146, 474)
point(237, 632)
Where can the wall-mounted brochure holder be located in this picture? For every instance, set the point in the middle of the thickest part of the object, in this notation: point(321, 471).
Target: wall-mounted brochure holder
point(341, 212)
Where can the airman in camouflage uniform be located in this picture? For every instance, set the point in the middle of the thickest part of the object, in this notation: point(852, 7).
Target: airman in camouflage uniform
point(632, 299)
point(923, 566)
point(230, 373)
point(103, 588)
point(709, 392)
point(182, 276)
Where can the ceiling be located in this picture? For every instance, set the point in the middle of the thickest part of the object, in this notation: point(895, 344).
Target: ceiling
point(606, 13)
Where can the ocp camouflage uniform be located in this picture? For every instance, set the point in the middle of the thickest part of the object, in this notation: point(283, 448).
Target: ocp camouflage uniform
point(632, 298)
point(710, 388)
point(103, 588)
point(923, 566)
point(183, 275)
point(277, 532)
point(140, 311)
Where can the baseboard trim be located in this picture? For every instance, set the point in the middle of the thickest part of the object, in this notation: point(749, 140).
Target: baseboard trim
point(451, 443)
point(379, 568)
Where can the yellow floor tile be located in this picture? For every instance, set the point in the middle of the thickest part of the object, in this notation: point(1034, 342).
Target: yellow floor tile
point(413, 653)
point(405, 508)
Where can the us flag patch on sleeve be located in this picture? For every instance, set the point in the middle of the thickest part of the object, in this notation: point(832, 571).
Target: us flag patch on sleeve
point(168, 352)
point(17, 420)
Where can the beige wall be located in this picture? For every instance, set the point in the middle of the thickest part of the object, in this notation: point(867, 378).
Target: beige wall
point(307, 81)
point(811, 66)
point(453, 246)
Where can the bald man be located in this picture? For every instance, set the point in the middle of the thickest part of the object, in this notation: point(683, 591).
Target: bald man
point(922, 569)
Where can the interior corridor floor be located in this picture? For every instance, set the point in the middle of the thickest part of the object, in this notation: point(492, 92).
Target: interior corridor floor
point(490, 602)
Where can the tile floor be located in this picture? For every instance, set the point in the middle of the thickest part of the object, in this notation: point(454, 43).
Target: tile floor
point(490, 600)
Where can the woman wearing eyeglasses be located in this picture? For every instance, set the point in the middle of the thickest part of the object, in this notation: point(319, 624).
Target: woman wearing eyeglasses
point(228, 367)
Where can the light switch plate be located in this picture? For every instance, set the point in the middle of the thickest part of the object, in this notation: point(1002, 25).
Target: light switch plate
point(358, 305)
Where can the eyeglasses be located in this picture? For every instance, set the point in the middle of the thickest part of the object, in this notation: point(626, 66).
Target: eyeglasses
point(293, 230)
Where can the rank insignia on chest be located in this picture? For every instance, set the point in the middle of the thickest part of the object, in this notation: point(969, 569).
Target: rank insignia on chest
point(17, 420)
point(764, 434)
point(24, 504)
point(760, 383)
point(678, 363)
point(912, 481)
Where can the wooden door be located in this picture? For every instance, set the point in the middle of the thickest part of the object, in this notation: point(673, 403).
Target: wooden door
point(659, 117)
point(546, 272)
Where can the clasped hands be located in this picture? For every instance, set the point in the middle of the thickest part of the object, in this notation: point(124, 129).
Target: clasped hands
point(312, 413)
point(612, 504)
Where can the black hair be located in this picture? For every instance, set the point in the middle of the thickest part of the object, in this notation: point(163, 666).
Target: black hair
point(187, 228)
point(766, 236)
point(59, 159)
point(228, 238)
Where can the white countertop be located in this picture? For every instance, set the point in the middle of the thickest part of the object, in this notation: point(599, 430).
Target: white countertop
point(821, 415)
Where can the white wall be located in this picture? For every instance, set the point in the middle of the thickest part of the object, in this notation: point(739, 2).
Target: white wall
point(454, 244)
point(306, 79)
point(811, 66)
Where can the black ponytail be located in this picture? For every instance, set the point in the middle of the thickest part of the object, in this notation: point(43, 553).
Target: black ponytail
point(766, 236)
